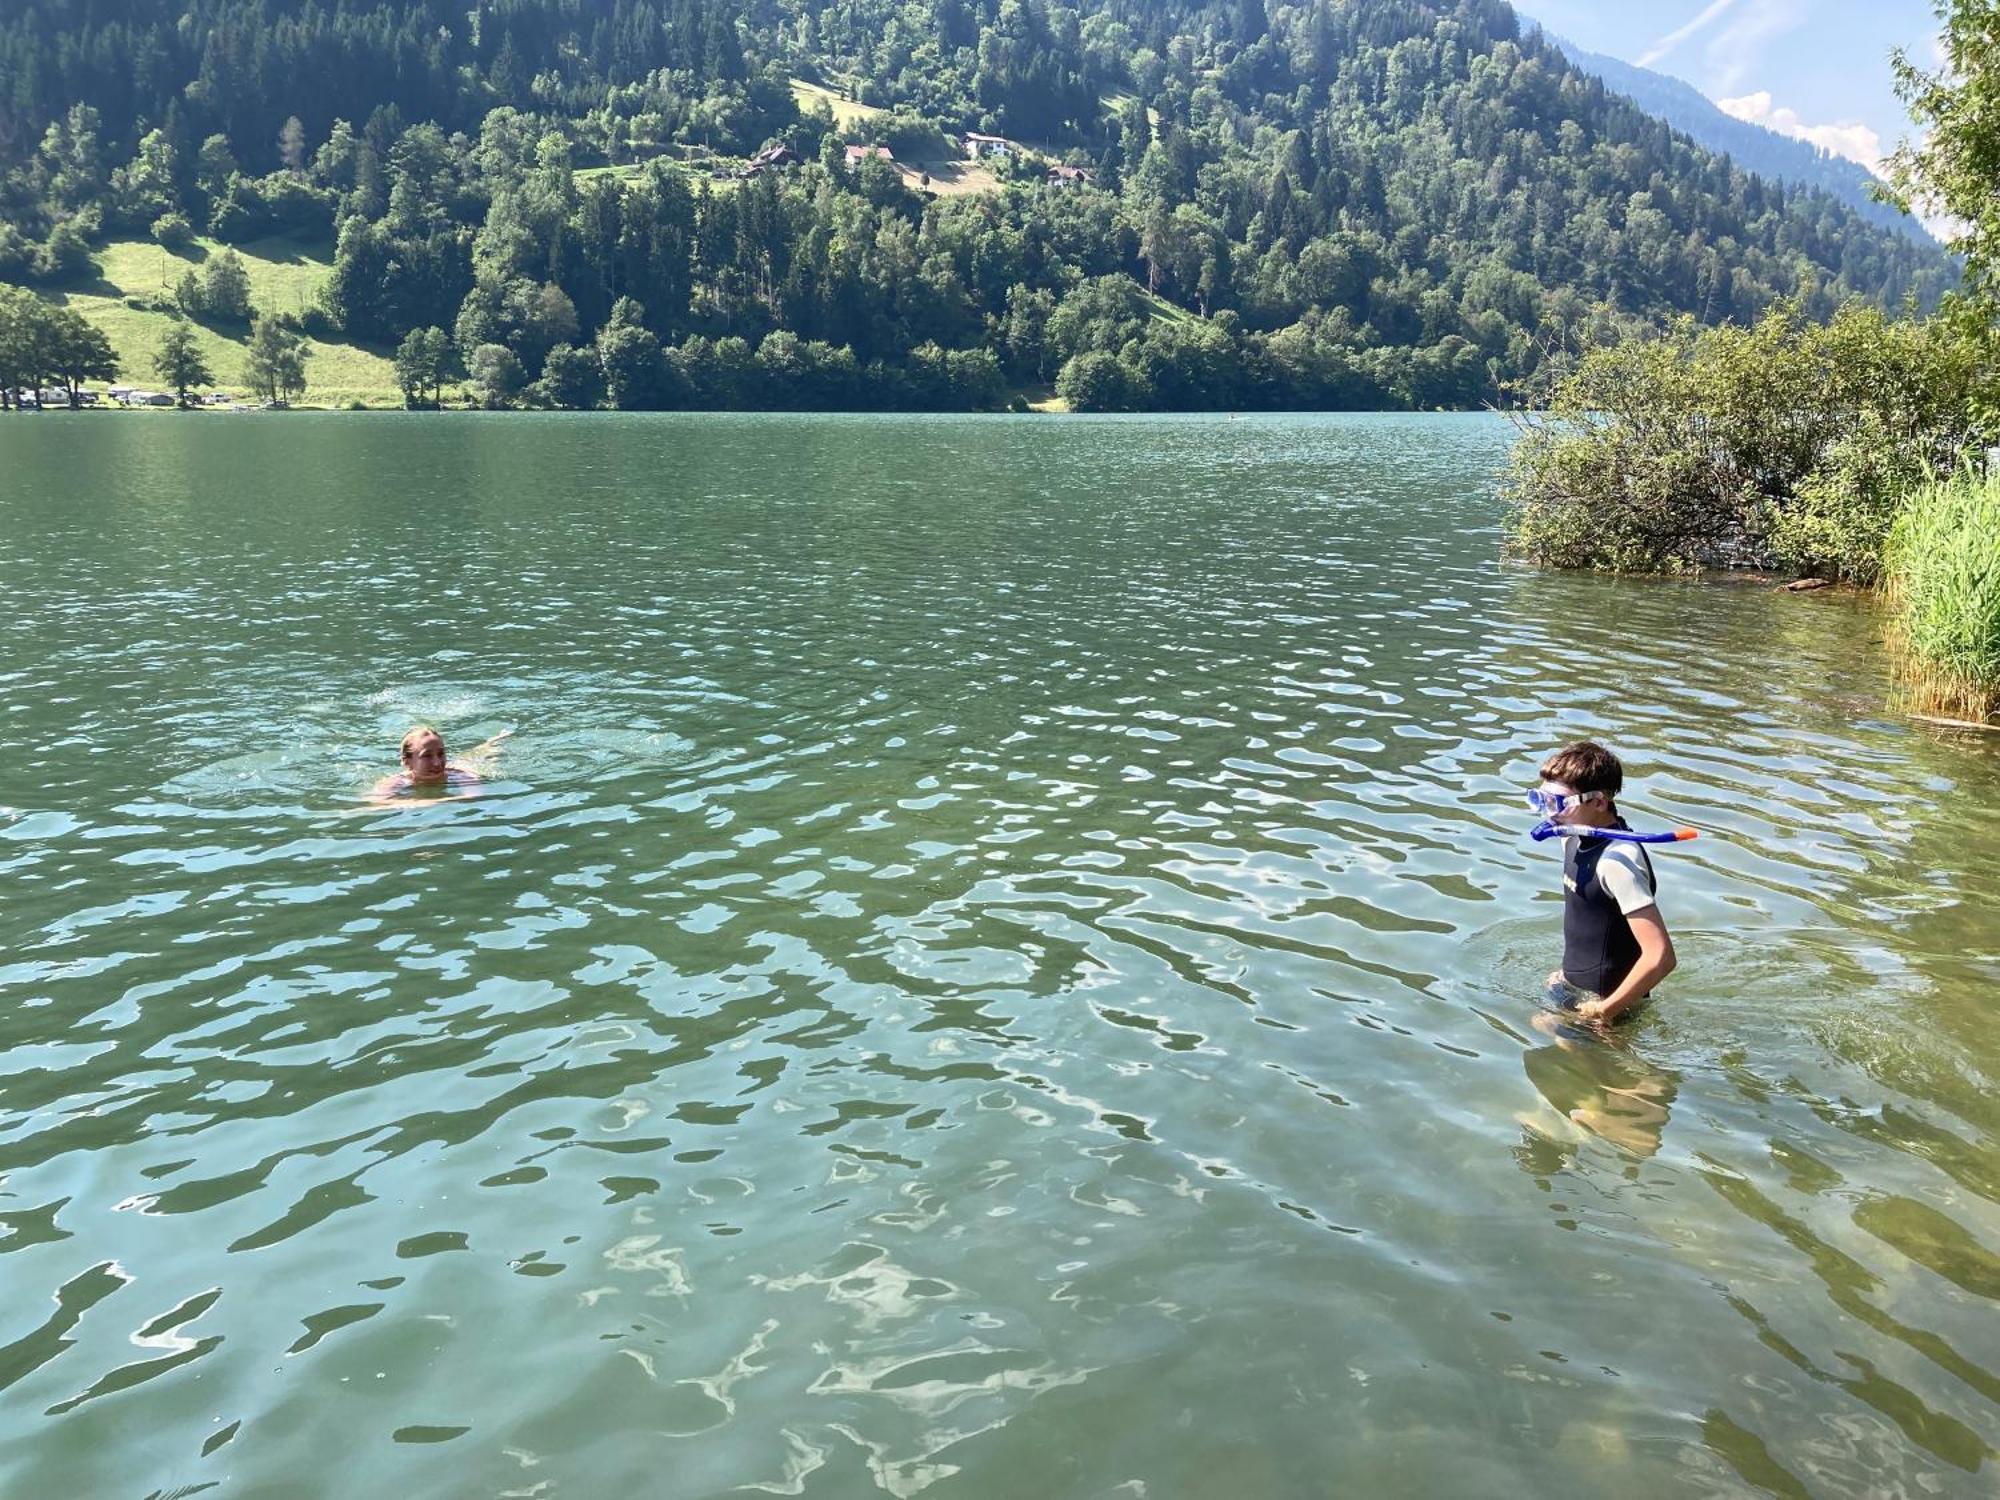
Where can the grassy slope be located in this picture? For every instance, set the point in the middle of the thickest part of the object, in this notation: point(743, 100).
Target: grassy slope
point(284, 276)
point(846, 113)
point(949, 179)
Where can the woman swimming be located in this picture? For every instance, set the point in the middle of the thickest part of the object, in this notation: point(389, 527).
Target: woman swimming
point(426, 767)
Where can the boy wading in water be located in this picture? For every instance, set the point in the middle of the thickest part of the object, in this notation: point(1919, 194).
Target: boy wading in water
point(1616, 947)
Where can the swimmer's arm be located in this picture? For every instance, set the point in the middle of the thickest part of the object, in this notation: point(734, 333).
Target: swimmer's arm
point(1656, 961)
point(480, 758)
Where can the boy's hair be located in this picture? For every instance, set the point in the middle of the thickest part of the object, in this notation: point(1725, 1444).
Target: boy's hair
point(1587, 767)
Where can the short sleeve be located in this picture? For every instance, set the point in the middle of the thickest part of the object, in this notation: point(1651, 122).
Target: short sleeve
point(1622, 873)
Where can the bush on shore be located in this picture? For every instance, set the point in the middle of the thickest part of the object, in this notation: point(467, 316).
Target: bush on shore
point(1785, 445)
point(1943, 564)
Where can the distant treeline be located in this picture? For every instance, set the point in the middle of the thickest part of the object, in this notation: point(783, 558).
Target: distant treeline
point(1338, 203)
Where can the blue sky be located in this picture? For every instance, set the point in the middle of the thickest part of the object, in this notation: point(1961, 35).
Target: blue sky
point(1816, 69)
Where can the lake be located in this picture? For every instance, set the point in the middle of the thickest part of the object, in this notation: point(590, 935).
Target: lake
point(1001, 959)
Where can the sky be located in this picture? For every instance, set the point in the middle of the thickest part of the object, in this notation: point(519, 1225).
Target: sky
point(1815, 69)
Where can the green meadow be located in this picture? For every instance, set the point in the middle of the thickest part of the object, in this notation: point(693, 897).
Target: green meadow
point(285, 275)
point(847, 113)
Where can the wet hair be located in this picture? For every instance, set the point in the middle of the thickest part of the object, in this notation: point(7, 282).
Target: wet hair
point(420, 732)
point(1585, 766)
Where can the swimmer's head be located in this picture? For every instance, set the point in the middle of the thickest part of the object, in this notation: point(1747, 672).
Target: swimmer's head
point(1590, 772)
point(423, 754)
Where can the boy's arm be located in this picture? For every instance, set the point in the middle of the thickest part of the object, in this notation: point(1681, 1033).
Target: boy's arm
point(1656, 962)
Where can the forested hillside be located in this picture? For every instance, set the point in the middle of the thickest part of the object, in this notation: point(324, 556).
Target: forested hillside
point(1775, 157)
point(1333, 203)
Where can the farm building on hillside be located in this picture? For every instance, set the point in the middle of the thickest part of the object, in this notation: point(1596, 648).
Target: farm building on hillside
point(770, 159)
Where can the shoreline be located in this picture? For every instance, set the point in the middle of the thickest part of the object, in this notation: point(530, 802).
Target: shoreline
point(1050, 407)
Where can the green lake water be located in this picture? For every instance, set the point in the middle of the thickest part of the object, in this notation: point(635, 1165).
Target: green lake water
point(1001, 960)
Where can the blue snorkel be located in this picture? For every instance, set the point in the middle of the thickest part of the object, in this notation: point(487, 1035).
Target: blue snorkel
point(1543, 831)
point(1559, 802)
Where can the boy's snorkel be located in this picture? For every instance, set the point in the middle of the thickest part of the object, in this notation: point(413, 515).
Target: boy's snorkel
point(1553, 804)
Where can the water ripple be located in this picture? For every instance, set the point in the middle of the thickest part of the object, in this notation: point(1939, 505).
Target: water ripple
point(1023, 983)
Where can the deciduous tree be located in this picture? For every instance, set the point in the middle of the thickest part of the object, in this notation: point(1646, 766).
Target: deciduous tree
point(423, 364)
point(496, 375)
point(571, 377)
point(225, 290)
point(26, 342)
point(1952, 164)
point(78, 351)
point(275, 367)
point(180, 362)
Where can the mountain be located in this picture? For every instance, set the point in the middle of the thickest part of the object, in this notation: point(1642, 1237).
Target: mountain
point(1778, 158)
point(1320, 203)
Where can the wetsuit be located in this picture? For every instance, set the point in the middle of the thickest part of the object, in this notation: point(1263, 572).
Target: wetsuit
point(1599, 948)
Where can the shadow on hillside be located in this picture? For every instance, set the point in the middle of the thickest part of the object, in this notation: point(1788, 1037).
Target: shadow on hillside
point(283, 250)
point(97, 286)
point(189, 255)
point(173, 265)
point(235, 330)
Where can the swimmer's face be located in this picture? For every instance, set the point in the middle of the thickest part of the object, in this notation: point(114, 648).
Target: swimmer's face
point(423, 758)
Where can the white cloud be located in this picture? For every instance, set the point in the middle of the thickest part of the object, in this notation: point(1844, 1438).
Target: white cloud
point(1675, 37)
point(1736, 52)
point(1738, 33)
point(1851, 139)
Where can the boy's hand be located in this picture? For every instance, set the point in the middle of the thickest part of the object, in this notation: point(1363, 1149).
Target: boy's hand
point(1594, 1010)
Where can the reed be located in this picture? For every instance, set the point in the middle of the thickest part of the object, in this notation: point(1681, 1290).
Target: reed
point(1943, 572)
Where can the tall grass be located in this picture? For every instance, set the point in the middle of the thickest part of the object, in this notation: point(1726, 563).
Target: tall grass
point(1943, 569)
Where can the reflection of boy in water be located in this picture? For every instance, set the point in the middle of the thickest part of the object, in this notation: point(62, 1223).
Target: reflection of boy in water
point(1616, 947)
point(426, 767)
point(1605, 1090)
